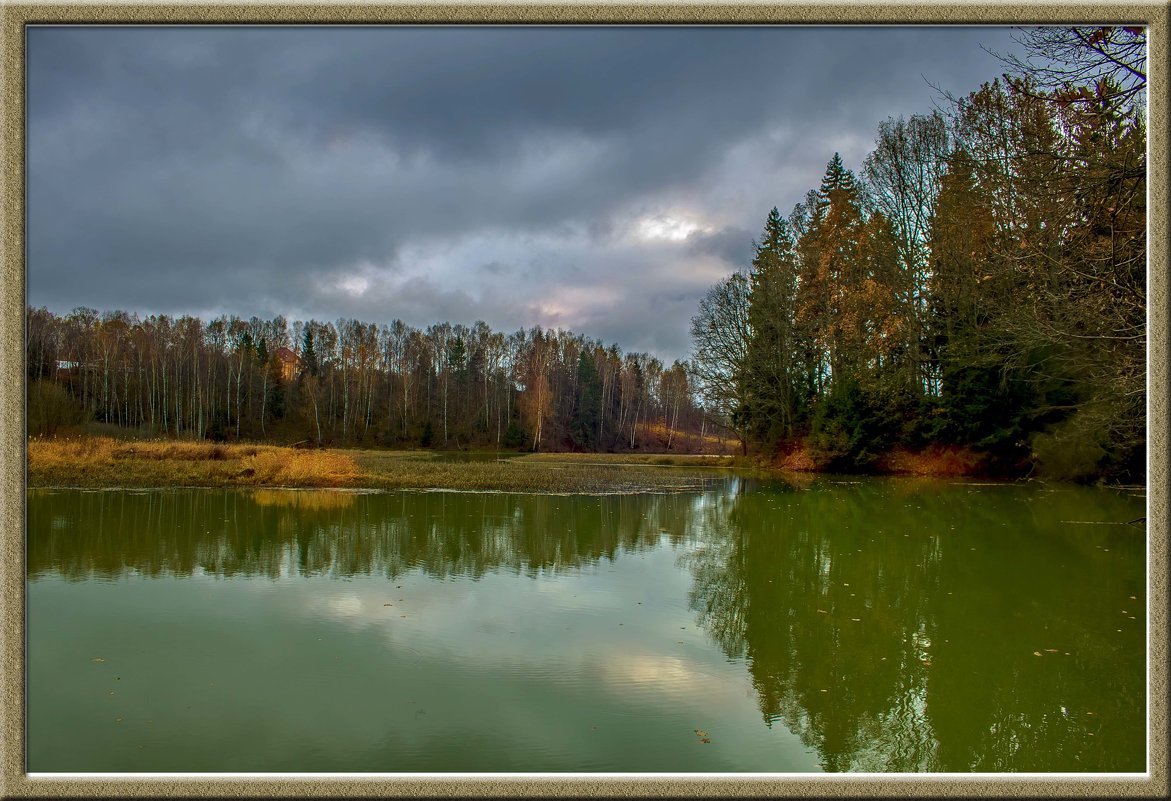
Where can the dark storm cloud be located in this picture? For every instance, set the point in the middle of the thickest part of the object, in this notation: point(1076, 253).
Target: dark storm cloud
point(732, 244)
point(593, 176)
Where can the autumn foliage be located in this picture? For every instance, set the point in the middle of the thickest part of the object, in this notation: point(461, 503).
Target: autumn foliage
point(974, 301)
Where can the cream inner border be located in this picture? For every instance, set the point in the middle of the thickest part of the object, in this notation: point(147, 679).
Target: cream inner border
point(15, 783)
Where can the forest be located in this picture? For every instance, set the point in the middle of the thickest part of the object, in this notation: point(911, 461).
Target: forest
point(979, 283)
point(352, 383)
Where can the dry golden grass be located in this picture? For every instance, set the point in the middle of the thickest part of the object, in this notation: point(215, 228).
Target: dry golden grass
point(106, 462)
point(296, 468)
point(185, 451)
point(103, 461)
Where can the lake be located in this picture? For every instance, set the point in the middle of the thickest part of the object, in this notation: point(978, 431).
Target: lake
point(875, 625)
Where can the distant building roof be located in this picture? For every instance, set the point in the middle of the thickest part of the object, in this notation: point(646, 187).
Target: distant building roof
point(287, 356)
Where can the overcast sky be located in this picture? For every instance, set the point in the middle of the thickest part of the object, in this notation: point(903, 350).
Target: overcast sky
point(598, 179)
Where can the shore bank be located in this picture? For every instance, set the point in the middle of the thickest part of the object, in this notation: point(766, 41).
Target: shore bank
point(940, 461)
point(93, 462)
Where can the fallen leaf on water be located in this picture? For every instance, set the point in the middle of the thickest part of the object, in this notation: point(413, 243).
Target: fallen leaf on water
point(1036, 653)
point(1050, 650)
point(823, 611)
point(705, 740)
point(700, 732)
point(856, 619)
point(98, 659)
point(388, 604)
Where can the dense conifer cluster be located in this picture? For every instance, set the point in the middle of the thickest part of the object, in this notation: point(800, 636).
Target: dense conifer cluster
point(981, 284)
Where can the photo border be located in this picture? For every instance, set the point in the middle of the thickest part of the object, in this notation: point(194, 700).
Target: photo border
point(14, 782)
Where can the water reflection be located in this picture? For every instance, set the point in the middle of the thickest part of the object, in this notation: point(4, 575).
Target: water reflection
point(891, 625)
point(901, 628)
point(278, 533)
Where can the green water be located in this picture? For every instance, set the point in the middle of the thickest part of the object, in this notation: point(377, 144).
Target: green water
point(880, 625)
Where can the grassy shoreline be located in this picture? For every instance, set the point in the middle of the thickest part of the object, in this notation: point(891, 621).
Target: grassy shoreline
point(92, 462)
point(97, 462)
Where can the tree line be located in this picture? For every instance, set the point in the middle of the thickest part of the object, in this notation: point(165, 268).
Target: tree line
point(352, 383)
point(981, 283)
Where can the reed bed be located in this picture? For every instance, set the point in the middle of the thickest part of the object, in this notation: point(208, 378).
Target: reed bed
point(104, 461)
point(107, 462)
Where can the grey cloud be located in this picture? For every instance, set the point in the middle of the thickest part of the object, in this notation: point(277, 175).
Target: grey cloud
point(495, 268)
point(227, 168)
point(732, 244)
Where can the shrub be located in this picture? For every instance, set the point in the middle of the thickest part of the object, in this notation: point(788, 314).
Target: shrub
point(852, 426)
point(514, 436)
point(51, 409)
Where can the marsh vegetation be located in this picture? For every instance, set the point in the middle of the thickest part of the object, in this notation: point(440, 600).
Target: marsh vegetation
point(109, 462)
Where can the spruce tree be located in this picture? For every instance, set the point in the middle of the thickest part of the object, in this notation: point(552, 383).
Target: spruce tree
point(309, 360)
point(836, 178)
point(769, 382)
point(587, 406)
point(839, 270)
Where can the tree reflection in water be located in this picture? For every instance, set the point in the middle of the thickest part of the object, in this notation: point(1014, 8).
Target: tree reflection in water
point(276, 533)
point(893, 625)
point(898, 626)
